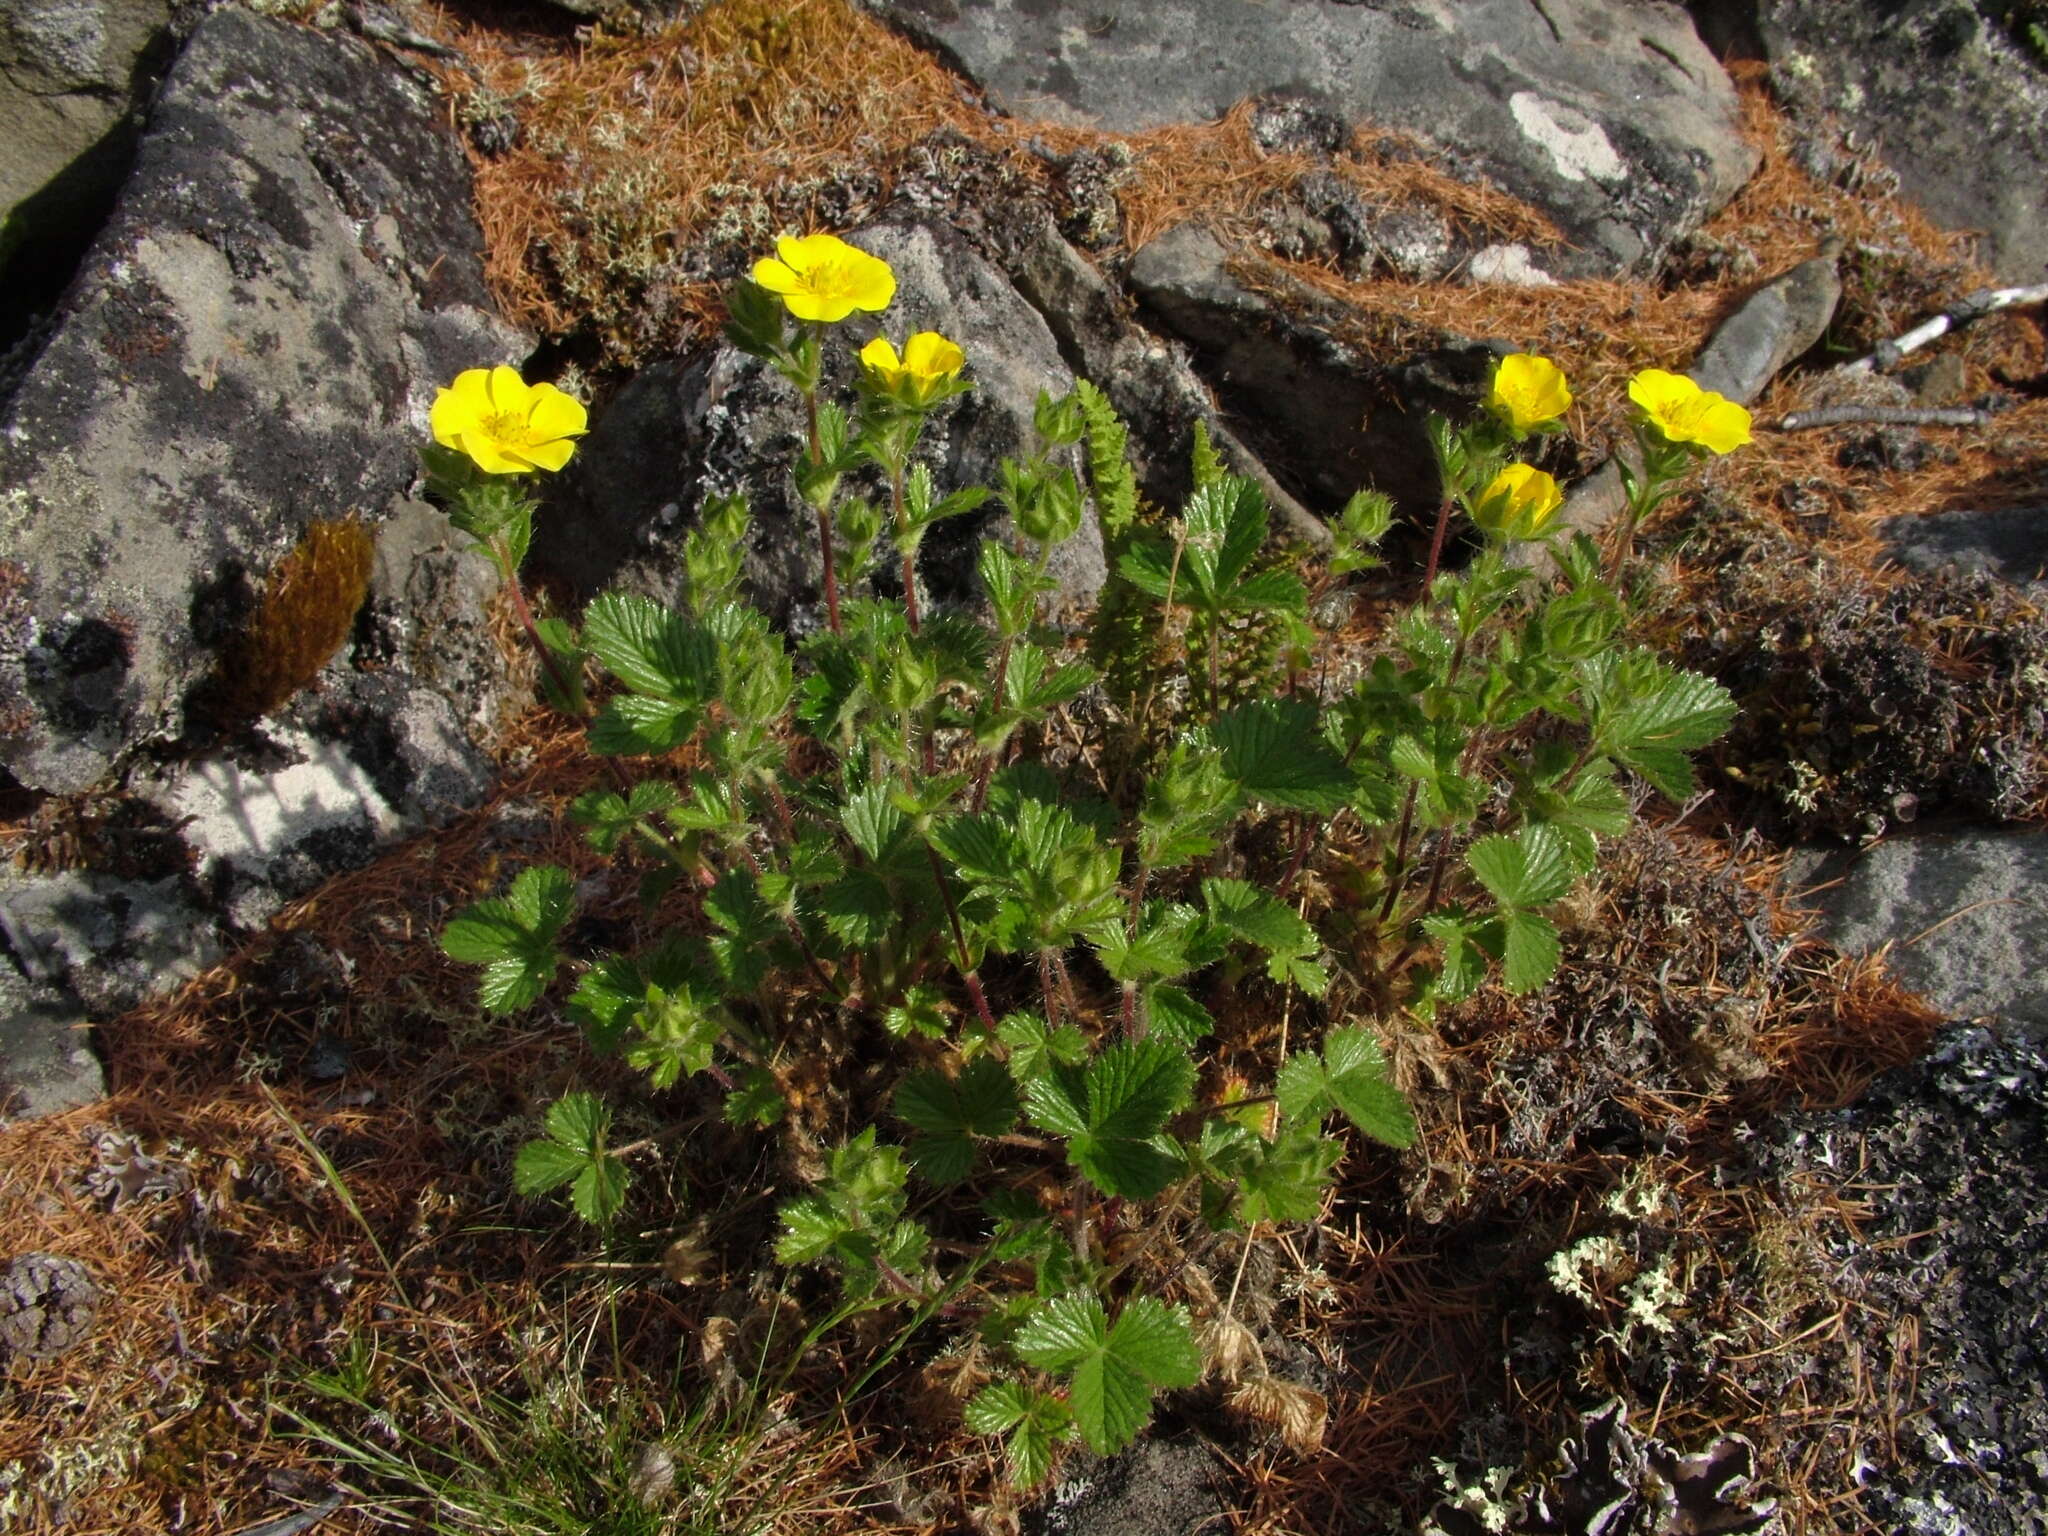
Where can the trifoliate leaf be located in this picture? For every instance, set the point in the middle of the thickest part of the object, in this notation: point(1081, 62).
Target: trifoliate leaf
point(1112, 1370)
point(1350, 1075)
point(1113, 1112)
point(1461, 962)
point(1275, 752)
point(1285, 1180)
point(513, 937)
point(1035, 1049)
point(1035, 1423)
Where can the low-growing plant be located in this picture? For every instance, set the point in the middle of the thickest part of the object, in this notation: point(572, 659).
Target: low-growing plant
point(866, 833)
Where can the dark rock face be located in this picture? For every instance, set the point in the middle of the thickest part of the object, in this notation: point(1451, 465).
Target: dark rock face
point(1337, 419)
point(1953, 104)
point(251, 346)
point(1612, 118)
point(720, 424)
point(72, 73)
point(1958, 1144)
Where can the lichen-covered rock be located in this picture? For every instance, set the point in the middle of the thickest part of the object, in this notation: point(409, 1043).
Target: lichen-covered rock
point(1949, 1157)
point(1950, 97)
point(1613, 118)
point(723, 423)
point(250, 347)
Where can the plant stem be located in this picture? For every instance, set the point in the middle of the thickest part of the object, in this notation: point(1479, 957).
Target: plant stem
point(959, 939)
point(1436, 543)
point(909, 559)
point(824, 518)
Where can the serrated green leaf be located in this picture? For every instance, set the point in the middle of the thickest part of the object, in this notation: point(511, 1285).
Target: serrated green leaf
point(545, 1165)
point(1035, 1050)
point(578, 1120)
point(1268, 592)
point(1248, 913)
point(1135, 1086)
point(1175, 1016)
point(1531, 953)
point(650, 649)
point(1461, 963)
point(755, 1101)
point(1112, 1371)
point(1349, 1075)
point(1275, 752)
point(858, 908)
point(632, 725)
point(1530, 869)
point(599, 1191)
point(1286, 1180)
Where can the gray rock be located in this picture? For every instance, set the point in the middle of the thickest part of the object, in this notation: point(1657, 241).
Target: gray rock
point(1966, 914)
point(1151, 384)
point(722, 423)
point(47, 1063)
point(1947, 96)
point(110, 942)
point(1327, 419)
point(2010, 543)
point(1158, 1487)
point(251, 345)
point(72, 73)
point(1612, 118)
point(1774, 325)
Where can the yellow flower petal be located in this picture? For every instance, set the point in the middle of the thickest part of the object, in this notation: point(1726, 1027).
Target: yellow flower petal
point(508, 391)
point(549, 456)
point(880, 355)
point(490, 457)
point(822, 278)
point(1528, 392)
point(553, 414)
point(1724, 426)
point(1682, 412)
point(1518, 503)
point(930, 356)
point(775, 276)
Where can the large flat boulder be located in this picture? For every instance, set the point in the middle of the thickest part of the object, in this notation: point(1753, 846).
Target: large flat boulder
point(249, 351)
point(1611, 117)
point(1965, 914)
point(249, 348)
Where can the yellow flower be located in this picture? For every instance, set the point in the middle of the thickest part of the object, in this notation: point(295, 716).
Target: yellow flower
point(509, 427)
point(1682, 412)
point(929, 363)
point(821, 277)
point(1518, 503)
point(1527, 392)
